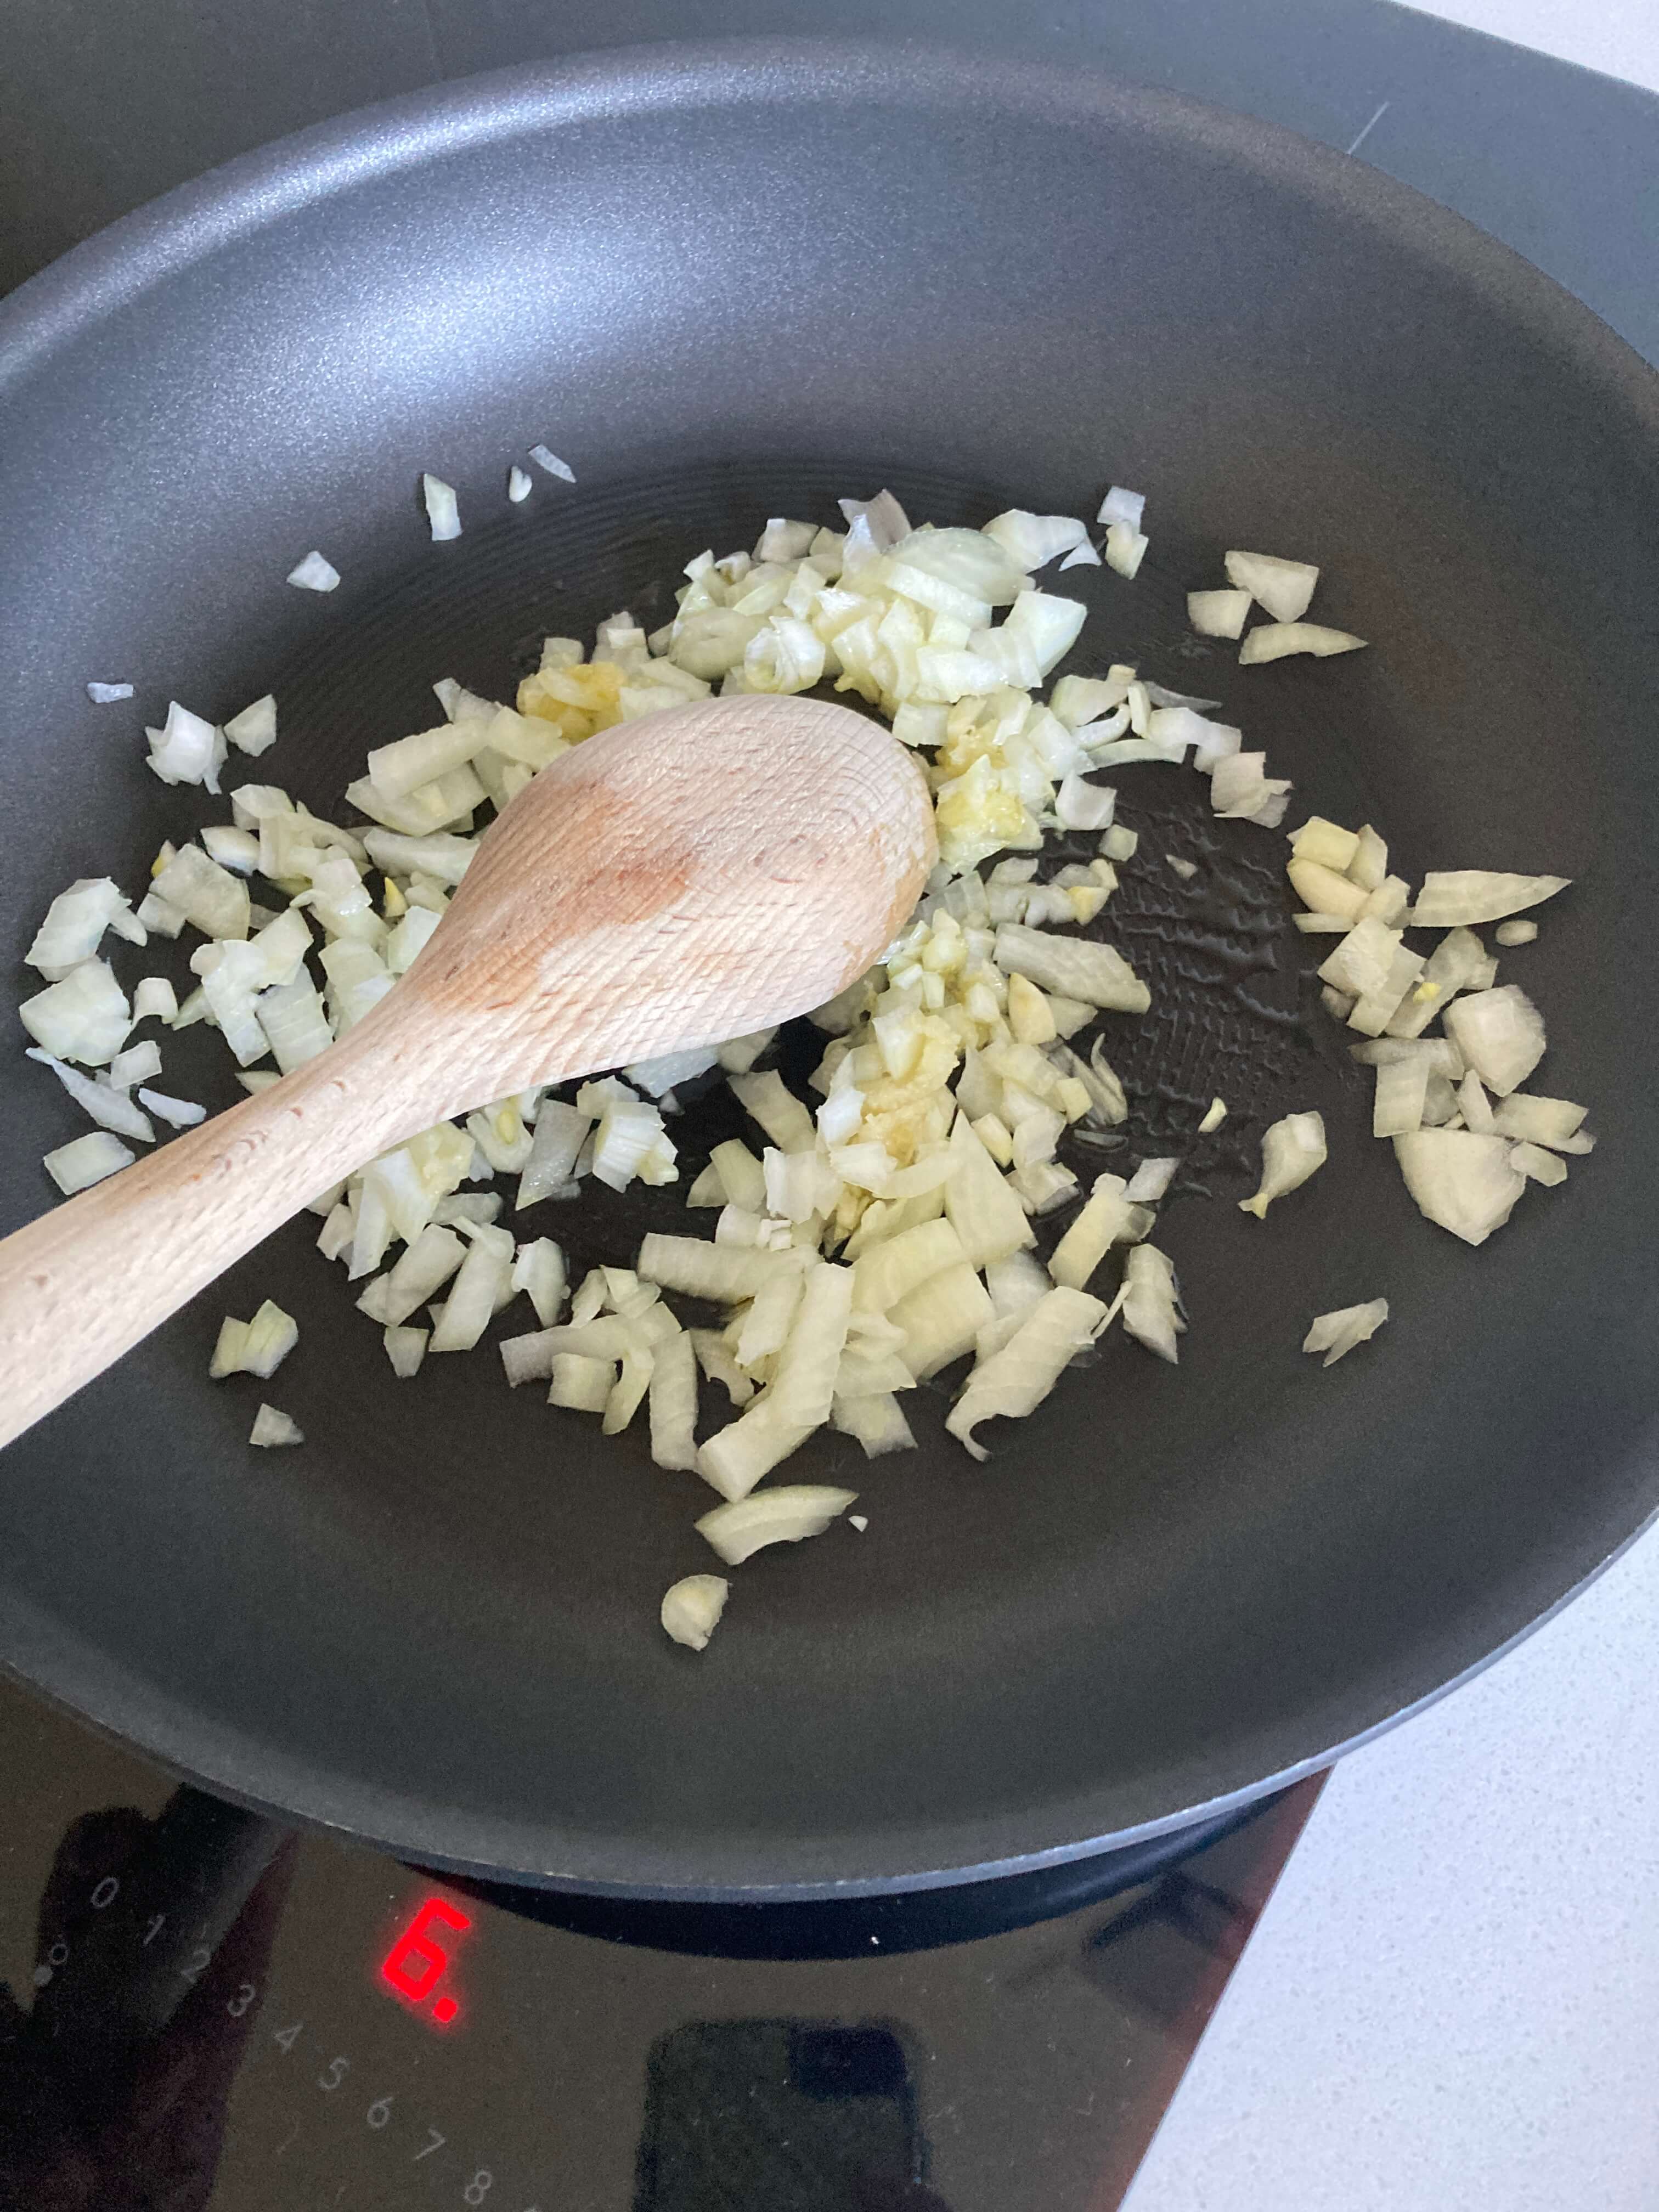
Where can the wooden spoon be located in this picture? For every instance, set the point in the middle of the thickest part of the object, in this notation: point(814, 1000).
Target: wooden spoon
point(671, 883)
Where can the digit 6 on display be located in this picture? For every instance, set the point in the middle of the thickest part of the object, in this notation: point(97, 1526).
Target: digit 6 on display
point(418, 1961)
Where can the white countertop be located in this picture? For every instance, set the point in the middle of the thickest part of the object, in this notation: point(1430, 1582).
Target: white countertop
point(1451, 2003)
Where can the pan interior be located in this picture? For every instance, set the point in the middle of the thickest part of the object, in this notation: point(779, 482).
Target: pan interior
point(727, 291)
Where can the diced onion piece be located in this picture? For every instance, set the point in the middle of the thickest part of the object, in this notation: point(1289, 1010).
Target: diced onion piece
point(1103, 1221)
point(271, 1335)
point(405, 1348)
point(1273, 641)
point(1472, 1104)
point(550, 461)
point(442, 511)
point(876, 1420)
point(1283, 587)
point(104, 695)
point(1336, 1334)
point(784, 1516)
point(699, 1270)
point(1322, 891)
point(1214, 1116)
point(1538, 1165)
point(673, 1396)
point(272, 1427)
point(1080, 556)
point(582, 1383)
point(1500, 1034)
point(484, 1272)
point(1076, 967)
point(1555, 1122)
point(1510, 933)
point(1469, 895)
point(518, 483)
point(85, 1161)
point(1291, 1151)
point(314, 574)
point(1016, 1380)
point(539, 1270)
point(987, 1218)
point(1150, 1180)
point(1149, 1301)
point(110, 1108)
point(186, 749)
point(1032, 541)
point(1218, 614)
point(766, 1099)
point(208, 896)
point(254, 730)
point(1326, 843)
point(180, 1113)
point(83, 1016)
point(295, 1027)
point(75, 925)
point(1123, 506)
point(1079, 805)
point(942, 1318)
point(887, 1271)
point(692, 1607)
point(1402, 1090)
point(1125, 549)
point(1463, 1182)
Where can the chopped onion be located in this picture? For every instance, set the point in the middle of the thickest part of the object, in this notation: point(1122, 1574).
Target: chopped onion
point(75, 925)
point(691, 1609)
point(1336, 1334)
point(581, 1383)
point(405, 1348)
point(273, 1427)
point(552, 464)
point(1538, 1165)
point(1105, 1220)
point(83, 1016)
point(1083, 805)
point(720, 1271)
point(254, 730)
point(1076, 967)
point(1510, 933)
point(1273, 641)
point(1014, 1381)
point(108, 1104)
point(1121, 507)
point(1555, 1122)
point(1150, 1302)
point(876, 1420)
point(86, 1160)
point(1461, 1180)
point(442, 510)
point(484, 1274)
point(1500, 1034)
point(1032, 541)
point(1080, 556)
point(1218, 614)
point(941, 1319)
point(784, 1516)
point(1150, 1180)
point(987, 1218)
point(1473, 895)
point(1125, 549)
point(766, 1099)
point(181, 1113)
point(1215, 1114)
point(208, 896)
point(186, 750)
point(1291, 1151)
point(314, 574)
point(104, 695)
point(1402, 1090)
point(1283, 587)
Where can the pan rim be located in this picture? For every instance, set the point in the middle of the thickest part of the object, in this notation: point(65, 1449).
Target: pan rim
point(97, 277)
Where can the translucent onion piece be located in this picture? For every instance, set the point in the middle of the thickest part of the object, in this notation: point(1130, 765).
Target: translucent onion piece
point(1214, 1116)
point(1402, 1090)
point(1076, 967)
point(104, 695)
point(784, 1516)
point(941, 1319)
point(1149, 1301)
point(691, 1609)
point(1508, 933)
point(1500, 1034)
point(1031, 541)
point(441, 510)
point(86, 1160)
point(550, 461)
point(1556, 1122)
point(582, 1383)
point(1336, 1334)
point(876, 1420)
point(110, 1108)
point(75, 925)
point(1218, 614)
point(1461, 1180)
point(83, 1016)
point(1472, 895)
point(253, 731)
point(989, 1219)
point(1291, 1151)
point(1104, 1221)
point(1016, 1380)
point(1538, 1165)
point(180, 1113)
point(699, 1270)
point(314, 574)
point(1273, 641)
point(405, 1348)
point(272, 1427)
point(1284, 588)
point(673, 1403)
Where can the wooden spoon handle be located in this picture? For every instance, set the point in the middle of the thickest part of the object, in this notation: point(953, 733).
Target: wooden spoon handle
point(86, 1281)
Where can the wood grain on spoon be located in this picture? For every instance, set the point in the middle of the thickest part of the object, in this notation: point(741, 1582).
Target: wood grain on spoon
point(671, 883)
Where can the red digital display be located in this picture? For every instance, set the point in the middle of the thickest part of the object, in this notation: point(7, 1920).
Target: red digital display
point(418, 1960)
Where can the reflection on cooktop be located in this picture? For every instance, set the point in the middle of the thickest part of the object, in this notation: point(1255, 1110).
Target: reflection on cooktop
point(205, 2011)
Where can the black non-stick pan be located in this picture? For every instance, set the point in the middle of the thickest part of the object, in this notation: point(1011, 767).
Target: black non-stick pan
point(731, 284)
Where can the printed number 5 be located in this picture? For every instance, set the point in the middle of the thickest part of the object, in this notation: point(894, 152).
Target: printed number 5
point(334, 2075)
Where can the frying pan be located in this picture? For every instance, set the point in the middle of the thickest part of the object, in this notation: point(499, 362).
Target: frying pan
point(733, 282)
